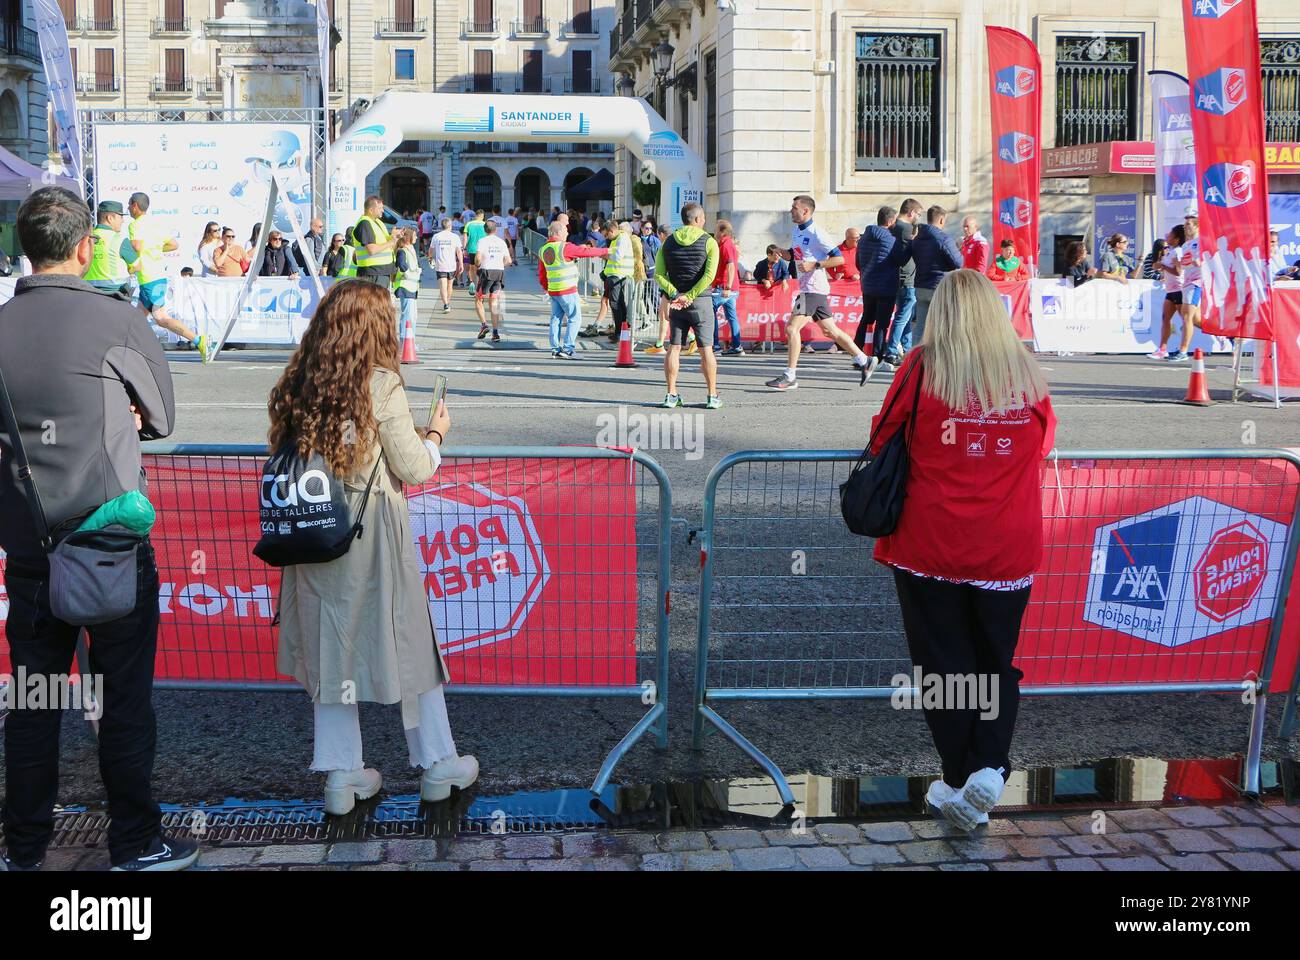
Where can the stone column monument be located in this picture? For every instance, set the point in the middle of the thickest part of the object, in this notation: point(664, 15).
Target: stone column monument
point(269, 54)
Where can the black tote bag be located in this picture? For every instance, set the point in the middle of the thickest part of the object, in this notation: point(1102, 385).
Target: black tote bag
point(871, 499)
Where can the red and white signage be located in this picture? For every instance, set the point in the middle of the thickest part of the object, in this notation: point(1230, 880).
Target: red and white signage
point(1015, 82)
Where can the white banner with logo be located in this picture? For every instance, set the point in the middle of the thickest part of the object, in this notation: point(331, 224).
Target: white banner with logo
point(1105, 316)
point(1175, 151)
point(200, 172)
point(60, 82)
point(277, 309)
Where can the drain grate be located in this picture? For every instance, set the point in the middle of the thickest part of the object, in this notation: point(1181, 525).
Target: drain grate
point(257, 824)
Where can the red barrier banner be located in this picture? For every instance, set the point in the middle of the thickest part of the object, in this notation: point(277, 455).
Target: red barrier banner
point(529, 567)
point(1285, 342)
point(1015, 110)
point(1159, 572)
point(763, 314)
point(1228, 128)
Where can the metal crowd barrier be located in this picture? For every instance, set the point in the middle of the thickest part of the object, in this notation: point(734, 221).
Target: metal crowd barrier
point(792, 606)
point(218, 600)
point(532, 242)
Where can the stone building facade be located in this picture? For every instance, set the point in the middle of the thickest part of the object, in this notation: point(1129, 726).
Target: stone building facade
point(24, 125)
point(862, 104)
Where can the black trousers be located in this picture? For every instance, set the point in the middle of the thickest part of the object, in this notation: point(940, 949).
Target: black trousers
point(122, 653)
point(616, 289)
point(955, 628)
point(877, 310)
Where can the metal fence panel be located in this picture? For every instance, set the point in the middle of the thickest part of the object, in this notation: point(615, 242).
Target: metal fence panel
point(792, 605)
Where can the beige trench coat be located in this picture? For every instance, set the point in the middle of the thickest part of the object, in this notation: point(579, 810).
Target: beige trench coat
point(358, 628)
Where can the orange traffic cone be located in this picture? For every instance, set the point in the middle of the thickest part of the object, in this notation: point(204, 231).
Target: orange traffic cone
point(408, 343)
point(1198, 394)
point(625, 348)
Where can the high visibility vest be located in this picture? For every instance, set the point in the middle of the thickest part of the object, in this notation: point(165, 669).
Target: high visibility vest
point(364, 257)
point(561, 274)
point(106, 262)
point(408, 277)
point(619, 262)
point(349, 268)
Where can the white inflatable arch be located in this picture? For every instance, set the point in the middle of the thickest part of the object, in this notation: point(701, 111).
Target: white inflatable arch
point(395, 117)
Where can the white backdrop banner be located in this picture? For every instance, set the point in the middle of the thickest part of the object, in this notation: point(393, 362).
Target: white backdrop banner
point(61, 85)
point(1105, 316)
point(277, 310)
point(198, 172)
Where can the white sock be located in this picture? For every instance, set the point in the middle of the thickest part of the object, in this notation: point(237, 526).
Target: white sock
point(861, 361)
point(789, 373)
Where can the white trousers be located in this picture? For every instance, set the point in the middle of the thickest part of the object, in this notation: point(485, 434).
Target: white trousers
point(338, 734)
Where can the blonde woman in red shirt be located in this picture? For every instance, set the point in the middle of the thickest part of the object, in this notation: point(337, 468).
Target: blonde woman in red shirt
point(970, 535)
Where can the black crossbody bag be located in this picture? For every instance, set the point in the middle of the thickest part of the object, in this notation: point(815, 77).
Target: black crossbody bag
point(92, 572)
point(871, 499)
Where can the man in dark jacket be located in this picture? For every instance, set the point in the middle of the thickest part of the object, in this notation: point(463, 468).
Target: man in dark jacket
point(87, 381)
point(880, 254)
point(900, 334)
point(276, 260)
point(934, 253)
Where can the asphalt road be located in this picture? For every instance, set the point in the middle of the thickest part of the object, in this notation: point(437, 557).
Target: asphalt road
point(213, 745)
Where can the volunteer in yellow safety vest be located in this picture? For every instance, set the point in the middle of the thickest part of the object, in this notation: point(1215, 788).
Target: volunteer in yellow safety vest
point(113, 257)
point(558, 274)
point(375, 246)
point(406, 281)
point(620, 265)
point(150, 241)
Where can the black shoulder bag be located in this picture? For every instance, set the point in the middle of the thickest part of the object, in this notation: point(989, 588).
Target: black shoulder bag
point(871, 499)
point(93, 574)
point(303, 511)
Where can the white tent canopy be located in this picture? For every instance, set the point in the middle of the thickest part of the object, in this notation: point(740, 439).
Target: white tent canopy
point(19, 179)
point(513, 117)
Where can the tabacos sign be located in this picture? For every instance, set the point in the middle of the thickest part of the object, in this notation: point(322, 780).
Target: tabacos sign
point(1184, 572)
point(1015, 147)
point(1016, 82)
point(1222, 91)
point(482, 562)
point(1228, 184)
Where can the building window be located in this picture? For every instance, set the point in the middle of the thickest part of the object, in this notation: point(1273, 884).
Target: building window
point(582, 17)
point(684, 113)
point(899, 105)
point(105, 75)
point(403, 64)
point(711, 111)
point(1280, 59)
point(1096, 89)
point(482, 71)
point(532, 72)
point(404, 16)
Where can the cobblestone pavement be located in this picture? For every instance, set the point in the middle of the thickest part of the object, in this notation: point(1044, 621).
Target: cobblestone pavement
point(1171, 838)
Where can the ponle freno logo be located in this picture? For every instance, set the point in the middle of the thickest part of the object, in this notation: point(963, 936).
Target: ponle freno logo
point(1228, 184)
point(1184, 572)
point(1016, 82)
point(483, 563)
point(1015, 147)
point(1222, 91)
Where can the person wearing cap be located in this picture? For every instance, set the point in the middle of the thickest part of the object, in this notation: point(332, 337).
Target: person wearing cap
point(113, 256)
point(276, 261)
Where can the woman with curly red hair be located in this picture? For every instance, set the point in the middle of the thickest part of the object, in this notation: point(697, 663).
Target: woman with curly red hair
point(358, 627)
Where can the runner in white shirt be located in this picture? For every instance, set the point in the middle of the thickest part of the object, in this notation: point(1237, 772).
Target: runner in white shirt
point(512, 230)
point(811, 252)
point(467, 215)
point(492, 258)
point(1168, 268)
point(426, 229)
point(1189, 268)
point(447, 259)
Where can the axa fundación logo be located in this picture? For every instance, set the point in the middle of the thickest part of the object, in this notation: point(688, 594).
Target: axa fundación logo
point(1184, 572)
point(1228, 184)
point(1213, 9)
point(1016, 147)
point(1221, 91)
point(1016, 81)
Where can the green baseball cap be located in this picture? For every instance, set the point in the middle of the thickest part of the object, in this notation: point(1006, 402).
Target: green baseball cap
point(110, 206)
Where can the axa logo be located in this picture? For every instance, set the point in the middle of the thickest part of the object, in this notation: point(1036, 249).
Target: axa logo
point(1015, 212)
point(1213, 9)
point(1016, 81)
point(1139, 562)
point(283, 491)
point(1175, 114)
point(1222, 91)
point(1050, 305)
point(1228, 184)
point(1181, 184)
point(1015, 147)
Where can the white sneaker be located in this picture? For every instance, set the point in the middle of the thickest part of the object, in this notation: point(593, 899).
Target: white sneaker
point(940, 796)
point(437, 781)
point(1158, 354)
point(984, 788)
point(343, 788)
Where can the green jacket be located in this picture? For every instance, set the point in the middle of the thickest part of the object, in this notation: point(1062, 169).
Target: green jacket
point(687, 236)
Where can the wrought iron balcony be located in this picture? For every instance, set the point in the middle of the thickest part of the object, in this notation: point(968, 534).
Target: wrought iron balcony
point(97, 24)
point(210, 87)
point(171, 86)
point(20, 41)
point(480, 28)
point(584, 26)
point(163, 25)
point(580, 84)
point(401, 27)
point(531, 27)
point(483, 84)
point(94, 83)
